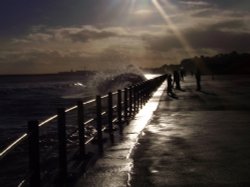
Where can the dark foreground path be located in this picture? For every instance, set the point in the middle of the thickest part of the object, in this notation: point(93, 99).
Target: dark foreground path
point(199, 139)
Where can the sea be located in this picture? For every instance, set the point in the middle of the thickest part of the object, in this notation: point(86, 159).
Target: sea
point(24, 98)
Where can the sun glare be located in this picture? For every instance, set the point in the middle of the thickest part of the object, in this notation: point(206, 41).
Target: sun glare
point(132, 5)
point(190, 51)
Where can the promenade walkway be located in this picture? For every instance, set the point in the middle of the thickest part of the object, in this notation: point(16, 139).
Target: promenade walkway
point(199, 139)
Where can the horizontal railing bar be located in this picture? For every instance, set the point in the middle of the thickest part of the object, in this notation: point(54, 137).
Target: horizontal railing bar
point(89, 102)
point(47, 120)
point(105, 96)
point(21, 183)
point(71, 108)
point(90, 139)
point(12, 145)
point(114, 120)
point(89, 121)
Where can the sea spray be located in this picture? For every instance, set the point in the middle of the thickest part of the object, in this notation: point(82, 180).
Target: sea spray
point(111, 80)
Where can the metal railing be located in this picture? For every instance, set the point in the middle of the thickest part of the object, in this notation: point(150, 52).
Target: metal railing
point(52, 147)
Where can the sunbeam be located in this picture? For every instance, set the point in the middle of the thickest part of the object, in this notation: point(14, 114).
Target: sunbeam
point(132, 5)
point(190, 51)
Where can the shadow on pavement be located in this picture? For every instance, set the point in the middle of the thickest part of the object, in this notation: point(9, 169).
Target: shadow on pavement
point(172, 95)
point(207, 93)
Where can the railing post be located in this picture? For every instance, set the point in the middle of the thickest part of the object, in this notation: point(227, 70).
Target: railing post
point(130, 101)
point(61, 124)
point(81, 130)
point(125, 105)
point(99, 124)
point(143, 94)
point(110, 117)
point(140, 96)
point(137, 98)
point(148, 90)
point(134, 100)
point(34, 156)
point(119, 111)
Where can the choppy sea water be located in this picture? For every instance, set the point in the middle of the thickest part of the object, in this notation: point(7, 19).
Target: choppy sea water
point(24, 98)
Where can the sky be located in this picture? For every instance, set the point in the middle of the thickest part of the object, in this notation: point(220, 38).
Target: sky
point(45, 36)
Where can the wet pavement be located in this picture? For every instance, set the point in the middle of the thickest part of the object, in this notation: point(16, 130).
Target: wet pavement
point(199, 139)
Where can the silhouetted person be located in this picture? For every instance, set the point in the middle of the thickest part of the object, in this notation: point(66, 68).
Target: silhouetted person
point(212, 76)
point(182, 72)
point(177, 80)
point(192, 73)
point(198, 80)
point(170, 86)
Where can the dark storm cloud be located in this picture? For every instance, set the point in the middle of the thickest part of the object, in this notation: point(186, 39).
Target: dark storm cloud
point(17, 16)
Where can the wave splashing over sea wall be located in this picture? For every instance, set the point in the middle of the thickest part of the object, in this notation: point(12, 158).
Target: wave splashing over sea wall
point(29, 97)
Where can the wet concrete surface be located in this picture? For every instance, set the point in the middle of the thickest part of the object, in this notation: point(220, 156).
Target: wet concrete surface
point(199, 139)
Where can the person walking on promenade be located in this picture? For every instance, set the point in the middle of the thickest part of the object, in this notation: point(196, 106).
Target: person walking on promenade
point(182, 73)
point(170, 86)
point(177, 80)
point(198, 79)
